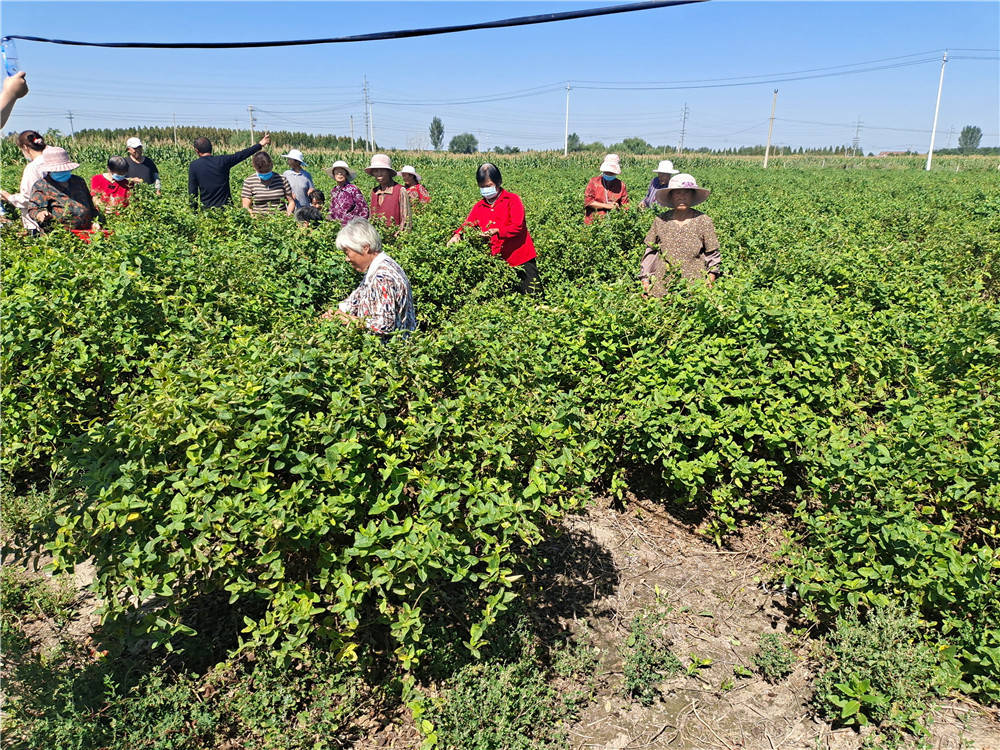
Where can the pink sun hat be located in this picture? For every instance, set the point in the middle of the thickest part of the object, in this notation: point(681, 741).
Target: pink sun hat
point(681, 182)
point(611, 164)
point(380, 161)
point(55, 159)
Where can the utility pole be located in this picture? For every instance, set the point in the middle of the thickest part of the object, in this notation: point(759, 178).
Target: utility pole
point(937, 107)
point(770, 128)
point(371, 123)
point(951, 132)
point(368, 130)
point(352, 134)
point(566, 131)
point(175, 128)
point(857, 138)
point(252, 123)
point(72, 132)
point(684, 119)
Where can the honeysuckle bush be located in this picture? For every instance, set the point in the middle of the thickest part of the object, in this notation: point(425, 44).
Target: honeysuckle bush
point(341, 490)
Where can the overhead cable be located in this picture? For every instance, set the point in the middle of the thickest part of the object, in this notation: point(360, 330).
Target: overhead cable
point(380, 35)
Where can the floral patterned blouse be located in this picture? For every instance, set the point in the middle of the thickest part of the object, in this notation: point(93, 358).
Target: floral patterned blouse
point(688, 249)
point(347, 202)
point(69, 203)
point(383, 298)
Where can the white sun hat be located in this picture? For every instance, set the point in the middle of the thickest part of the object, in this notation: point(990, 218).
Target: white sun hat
point(410, 170)
point(294, 153)
point(611, 164)
point(666, 167)
point(380, 161)
point(133, 142)
point(341, 164)
point(681, 182)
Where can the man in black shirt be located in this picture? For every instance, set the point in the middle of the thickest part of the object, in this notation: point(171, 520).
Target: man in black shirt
point(208, 176)
point(141, 168)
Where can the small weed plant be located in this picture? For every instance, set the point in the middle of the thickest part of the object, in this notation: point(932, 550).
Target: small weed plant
point(648, 659)
point(774, 658)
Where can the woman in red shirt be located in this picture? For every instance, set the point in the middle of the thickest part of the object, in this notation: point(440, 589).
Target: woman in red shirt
point(500, 217)
point(413, 185)
point(111, 188)
point(606, 192)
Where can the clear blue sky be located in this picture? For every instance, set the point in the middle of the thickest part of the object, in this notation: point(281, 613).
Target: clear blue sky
point(317, 88)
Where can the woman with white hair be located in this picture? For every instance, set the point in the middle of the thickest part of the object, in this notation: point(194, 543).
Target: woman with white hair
point(605, 192)
point(383, 301)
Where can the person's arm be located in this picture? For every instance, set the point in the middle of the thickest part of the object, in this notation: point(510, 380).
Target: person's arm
point(711, 250)
point(590, 198)
point(648, 262)
point(192, 186)
point(246, 195)
point(14, 88)
point(469, 222)
point(156, 177)
point(38, 203)
point(513, 223)
point(289, 196)
point(623, 201)
point(405, 214)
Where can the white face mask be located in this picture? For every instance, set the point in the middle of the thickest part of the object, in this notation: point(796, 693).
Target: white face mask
point(489, 192)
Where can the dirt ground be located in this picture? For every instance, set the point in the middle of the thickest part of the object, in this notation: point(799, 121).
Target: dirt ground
point(609, 565)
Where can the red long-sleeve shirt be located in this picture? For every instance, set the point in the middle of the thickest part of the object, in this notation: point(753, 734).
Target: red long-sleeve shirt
point(512, 242)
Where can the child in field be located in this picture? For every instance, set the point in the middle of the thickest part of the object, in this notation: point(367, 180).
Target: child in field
point(682, 242)
point(314, 212)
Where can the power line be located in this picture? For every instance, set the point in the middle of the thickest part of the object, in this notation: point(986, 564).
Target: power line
point(381, 35)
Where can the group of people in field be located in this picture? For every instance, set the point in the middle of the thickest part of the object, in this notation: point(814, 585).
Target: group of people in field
point(681, 243)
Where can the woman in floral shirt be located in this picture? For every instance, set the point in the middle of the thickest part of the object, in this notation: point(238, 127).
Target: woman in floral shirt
point(346, 200)
point(61, 197)
point(383, 301)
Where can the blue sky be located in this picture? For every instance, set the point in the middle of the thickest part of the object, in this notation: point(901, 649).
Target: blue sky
point(705, 45)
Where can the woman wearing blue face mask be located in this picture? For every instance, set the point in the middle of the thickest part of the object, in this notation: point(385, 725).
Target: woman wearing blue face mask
point(61, 197)
point(499, 216)
point(264, 191)
point(111, 189)
point(606, 192)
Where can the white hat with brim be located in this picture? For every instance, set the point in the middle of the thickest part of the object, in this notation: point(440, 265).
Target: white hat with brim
point(133, 142)
point(294, 153)
point(410, 170)
point(666, 167)
point(341, 164)
point(55, 159)
point(681, 182)
point(611, 164)
point(380, 161)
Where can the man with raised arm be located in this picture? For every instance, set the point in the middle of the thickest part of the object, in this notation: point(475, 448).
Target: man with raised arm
point(208, 175)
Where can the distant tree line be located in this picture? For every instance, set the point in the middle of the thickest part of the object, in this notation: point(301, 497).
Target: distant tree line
point(223, 137)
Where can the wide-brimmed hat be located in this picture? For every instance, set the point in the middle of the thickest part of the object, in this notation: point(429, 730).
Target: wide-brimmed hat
point(681, 182)
point(611, 164)
point(410, 170)
point(380, 161)
point(55, 159)
point(666, 167)
point(294, 153)
point(341, 164)
point(133, 142)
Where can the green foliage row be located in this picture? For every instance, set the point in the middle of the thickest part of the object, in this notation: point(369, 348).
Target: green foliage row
point(224, 441)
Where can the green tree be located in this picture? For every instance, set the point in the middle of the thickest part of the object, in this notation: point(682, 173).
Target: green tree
point(437, 133)
point(464, 143)
point(633, 146)
point(968, 140)
point(573, 143)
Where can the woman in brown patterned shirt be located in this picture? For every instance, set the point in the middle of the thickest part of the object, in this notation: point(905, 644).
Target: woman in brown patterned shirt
point(682, 242)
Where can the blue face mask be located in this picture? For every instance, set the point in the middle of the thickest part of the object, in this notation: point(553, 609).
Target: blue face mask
point(489, 192)
point(609, 177)
point(60, 176)
point(119, 177)
point(265, 175)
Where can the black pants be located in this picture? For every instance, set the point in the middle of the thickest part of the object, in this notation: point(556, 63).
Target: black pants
point(528, 280)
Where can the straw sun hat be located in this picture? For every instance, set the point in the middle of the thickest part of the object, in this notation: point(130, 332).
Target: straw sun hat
point(340, 163)
point(294, 153)
point(666, 167)
point(681, 182)
point(380, 161)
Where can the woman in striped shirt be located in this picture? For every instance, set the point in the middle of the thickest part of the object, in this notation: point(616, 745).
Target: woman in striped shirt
point(264, 191)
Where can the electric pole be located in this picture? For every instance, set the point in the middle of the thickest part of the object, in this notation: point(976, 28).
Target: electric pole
point(371, 123)
point(770, 128)
point(684, 119)
point(566, 131)
point(250, 110)
point(951, 132)
point(72, 132)
point(368, 130)
point(352, 134)
point(857, 138)
point(175, 128)
point(937, 107)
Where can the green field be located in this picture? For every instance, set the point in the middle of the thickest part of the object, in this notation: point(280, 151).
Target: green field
point(239, 471)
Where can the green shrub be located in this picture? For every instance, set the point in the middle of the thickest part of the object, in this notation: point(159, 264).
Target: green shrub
point(877, 671)
point(774, 658)
point(647, 658)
